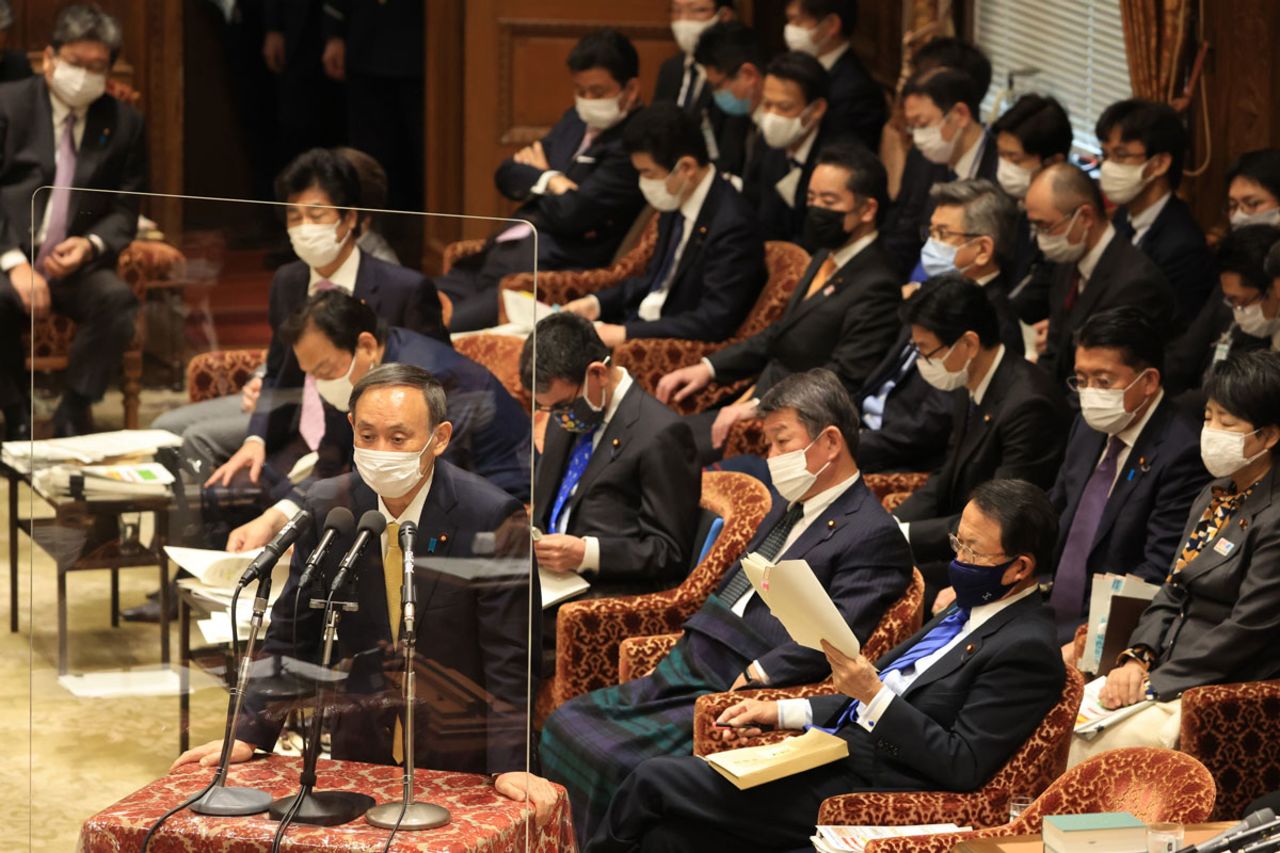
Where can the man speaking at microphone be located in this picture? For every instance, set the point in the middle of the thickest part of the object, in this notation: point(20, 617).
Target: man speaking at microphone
point(472, 636)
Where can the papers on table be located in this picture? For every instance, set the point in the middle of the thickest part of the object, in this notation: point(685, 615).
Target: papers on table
point(854, 839)
point(216, 575)
point(1116, 602)
point(797, 598)
point(523, 311)
point(1093, 718)
point(86, 449)
point(218, 568)
point(145, 479)
point(754, 765)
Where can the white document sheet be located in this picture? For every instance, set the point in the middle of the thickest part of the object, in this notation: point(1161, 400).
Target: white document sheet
point(799, 601)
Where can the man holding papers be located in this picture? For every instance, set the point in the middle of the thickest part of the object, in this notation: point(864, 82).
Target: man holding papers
point(830, 520)
point(947, 709)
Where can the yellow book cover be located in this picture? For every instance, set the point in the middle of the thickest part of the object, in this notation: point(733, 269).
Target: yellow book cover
point(755, 765)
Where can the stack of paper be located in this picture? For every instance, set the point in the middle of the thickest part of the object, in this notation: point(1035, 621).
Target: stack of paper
point(1093, 718)
point(86, 449)
point(754, 765)
point(853, 839)
point(1115, 604)
point(216, 575)
point(145, 479)
point(797, 598)
point(523, 311)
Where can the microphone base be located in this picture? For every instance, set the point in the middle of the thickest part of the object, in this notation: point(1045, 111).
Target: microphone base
point(416, 816)
point(229, 802)
point(324, 808)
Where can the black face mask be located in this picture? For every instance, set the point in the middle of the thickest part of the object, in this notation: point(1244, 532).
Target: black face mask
point(824, 229)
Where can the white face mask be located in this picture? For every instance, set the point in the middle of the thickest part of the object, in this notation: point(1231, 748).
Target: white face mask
point(935, 372)
point(1014, 179)
point(780, 131)
point(800, 39)
point(1058, 248)
point(932, 146)
point(659, 197)
point(75, 86)
point(1222, 451)
point(1252, 321)
point(1121, 182)
point(316, 243)
point(1271, 217)
point(599, 113)
point(337, 392)
point(687, 33)
point(791, 475)
point(391, 473)
point(1103, 408)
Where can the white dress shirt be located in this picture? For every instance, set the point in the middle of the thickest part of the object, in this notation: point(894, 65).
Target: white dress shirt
point(413, 512)
point(689, 65)
point(831, 57)
point(343, 278)
point(1128, 437)
point(798, 713)
point(967, 165)
point(789, 185)
point(1141, 222)
point(651, 306)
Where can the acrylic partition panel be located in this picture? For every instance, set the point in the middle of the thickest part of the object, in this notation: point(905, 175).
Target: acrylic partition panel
point(207, 372)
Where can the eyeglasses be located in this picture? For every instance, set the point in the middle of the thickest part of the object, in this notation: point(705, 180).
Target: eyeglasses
point(929, 356)
point(943, 234)
point(1253, 300)
point(561, 407)
point(968, 555)
point(1079, 383)
point(1039, 228)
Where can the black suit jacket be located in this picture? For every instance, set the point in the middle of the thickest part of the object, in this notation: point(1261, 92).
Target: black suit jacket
point(720, 273)
point(846, 327)
point(916, 422)
point(1148, 505)
point(112, 157)
point(1017, 431)
point(1175, 244)
point(383, 39)
point(968, 713)
point(472, 635)
point(1190, 357)
point(14, 65)
point(638, 495)
point(399, 295)
point(861, 559)
point(855, 102)
point(580, 229)
point(997, 291)
point(779, 220)
point(1123, 276)
point(1218, 620)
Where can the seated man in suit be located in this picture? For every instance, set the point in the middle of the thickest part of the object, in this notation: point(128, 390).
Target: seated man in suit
point(792, 121)
point(476, 631)
point(681, 80)
point(731, 59)
point(948, 708)
point(337, 339)
point(842, 315)
point(576, 185)
point(905, 421)
point(1143, 146)
point(60, 129)
point(1008, 417)
point(616, 488)
point(1090, 270)
point(822, 28)
point(708, 264)
point(1132, 466)
point(592, 742)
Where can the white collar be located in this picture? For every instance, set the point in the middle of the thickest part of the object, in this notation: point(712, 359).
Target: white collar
point(60, 111)
point(413, 512)
point(1142, 221)
point(968, 162)
point(986, 279)
point(849, 251)
point(831, 57)
point(344, 277)
point(981, 390)
point(801, 154)
point(692, 205)
point(983, 613)
point(1129, 435)
point(820, 502)
point(624, 385)
point(1086, 264)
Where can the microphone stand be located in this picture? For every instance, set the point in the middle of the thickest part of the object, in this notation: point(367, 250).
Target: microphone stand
point(322, 808)
point(221, 800)
point(408, 814)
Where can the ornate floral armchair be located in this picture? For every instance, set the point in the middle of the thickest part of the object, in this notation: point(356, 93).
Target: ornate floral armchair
point(588, 633)
point(1151, 784)
point(221, 372)
point(1234, 731)
point(501, 355)
point(1029, 772)
point(649, 359)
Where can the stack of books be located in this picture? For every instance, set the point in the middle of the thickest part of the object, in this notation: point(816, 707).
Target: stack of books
point(1109, 832)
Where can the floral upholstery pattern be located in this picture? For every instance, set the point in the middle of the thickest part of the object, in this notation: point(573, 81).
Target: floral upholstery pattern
point(588, 633)
point(893, 500)
point(221, 372)
point(481, 818)
point(746, 438)
point(501, 354)
point(1040, 760)
point(638, 656)
point(649, 360)
point(1151, 784)
point(899, 622)
point(458, 250)
point(1077, 642)
point(1234, 730)
point(883, 485)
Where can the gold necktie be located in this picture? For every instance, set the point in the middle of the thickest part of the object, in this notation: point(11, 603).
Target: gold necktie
point(821, 277)
point(393, 576)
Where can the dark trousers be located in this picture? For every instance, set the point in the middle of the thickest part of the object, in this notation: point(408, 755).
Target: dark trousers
point(679, 803)
point(472, 284)
point(103, 308)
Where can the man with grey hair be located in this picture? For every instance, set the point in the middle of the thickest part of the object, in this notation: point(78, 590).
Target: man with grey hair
point(1089, 270)
point(62, 130)
point(474, 644)
point(829, 519)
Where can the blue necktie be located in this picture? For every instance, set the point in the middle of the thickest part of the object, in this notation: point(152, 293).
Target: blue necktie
point(578, 460)
point(941, 634)
point(669, 259)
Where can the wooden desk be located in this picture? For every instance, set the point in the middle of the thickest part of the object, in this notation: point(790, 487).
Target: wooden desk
point(1195, 833)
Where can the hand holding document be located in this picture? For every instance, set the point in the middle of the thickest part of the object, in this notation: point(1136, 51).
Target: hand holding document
point(1093, 717)
point(797, 598)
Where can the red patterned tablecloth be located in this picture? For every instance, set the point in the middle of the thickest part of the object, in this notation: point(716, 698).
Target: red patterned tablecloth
point(482, 820)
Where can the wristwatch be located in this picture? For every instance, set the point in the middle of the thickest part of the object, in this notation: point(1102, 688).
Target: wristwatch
point(1143, 655)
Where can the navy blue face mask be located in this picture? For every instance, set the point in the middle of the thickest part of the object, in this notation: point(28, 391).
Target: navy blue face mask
point(975, 585)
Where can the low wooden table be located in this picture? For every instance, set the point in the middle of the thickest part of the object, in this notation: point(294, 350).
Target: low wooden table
point(1195, 833)
point(482, 819)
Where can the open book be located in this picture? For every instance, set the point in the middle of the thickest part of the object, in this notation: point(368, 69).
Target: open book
point(1093, 718)
point(797, 598)
point(523, 310)
point(755, 765)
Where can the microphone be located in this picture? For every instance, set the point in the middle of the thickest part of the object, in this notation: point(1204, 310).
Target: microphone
point(371, 525)
point(266, 561)
point(338, 523)
point(1245, 829)
point(408, 538)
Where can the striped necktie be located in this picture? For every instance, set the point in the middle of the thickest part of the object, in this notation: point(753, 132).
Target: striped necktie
point(740, 584)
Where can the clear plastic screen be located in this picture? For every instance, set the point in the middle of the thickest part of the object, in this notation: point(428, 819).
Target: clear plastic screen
point(104, 704)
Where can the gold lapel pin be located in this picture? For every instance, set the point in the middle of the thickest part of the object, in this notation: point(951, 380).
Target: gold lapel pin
point(831, 524)
point(986, 419)
point(968, 650)
point(617, 442)
point(444, 537)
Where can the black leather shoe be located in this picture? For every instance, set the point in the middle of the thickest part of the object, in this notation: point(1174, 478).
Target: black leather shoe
point(149, 612)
